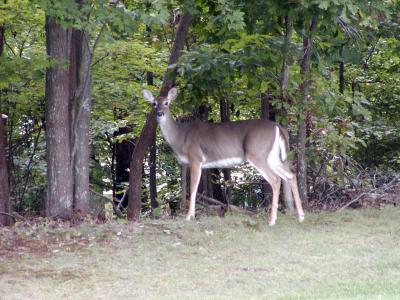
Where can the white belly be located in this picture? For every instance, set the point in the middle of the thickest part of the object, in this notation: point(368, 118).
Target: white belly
point(222, 163)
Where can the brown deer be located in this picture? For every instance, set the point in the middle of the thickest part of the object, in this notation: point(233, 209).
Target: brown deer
point(201, 145)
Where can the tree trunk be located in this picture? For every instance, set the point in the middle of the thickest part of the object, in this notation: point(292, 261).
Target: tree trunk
point(341, 70)
point(264, 114)
point(184, 174)
point(340, 166)
point(59, 170)
point(285, 65)
point(283, 85)
point(1, 40)
point(302, 133)
point(4, 179)
point(4, 176)
point(149, 129)
point(264, 107)
point(80, 150)
point(153, 175)
point(225, 117)
point(79, 107)
point(153, 155)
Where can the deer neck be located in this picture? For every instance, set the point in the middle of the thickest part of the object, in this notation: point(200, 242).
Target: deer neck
point(170, 130)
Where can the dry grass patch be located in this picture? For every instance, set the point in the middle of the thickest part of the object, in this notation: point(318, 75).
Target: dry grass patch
point(352, 254)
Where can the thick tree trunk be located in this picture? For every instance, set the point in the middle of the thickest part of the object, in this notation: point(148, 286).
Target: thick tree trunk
point(59, 170)
point(302, 133)
point(149, 129)
point(80, 124)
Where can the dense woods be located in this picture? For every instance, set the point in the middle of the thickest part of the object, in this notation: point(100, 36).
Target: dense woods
point(75, 129)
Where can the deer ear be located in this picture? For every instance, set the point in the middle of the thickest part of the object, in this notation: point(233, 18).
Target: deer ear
point(172, 94)
point(148, 96)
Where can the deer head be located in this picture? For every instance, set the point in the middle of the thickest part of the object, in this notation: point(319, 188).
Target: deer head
point(160, 104)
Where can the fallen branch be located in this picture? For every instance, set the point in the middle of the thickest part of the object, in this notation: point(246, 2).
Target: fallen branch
point(380, 189)
point(230, 207)
point(15, 216)
point(124, 196)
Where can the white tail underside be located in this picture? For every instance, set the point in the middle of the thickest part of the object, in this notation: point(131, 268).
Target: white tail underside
point(277, 155)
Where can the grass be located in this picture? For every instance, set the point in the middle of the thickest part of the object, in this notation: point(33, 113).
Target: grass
point(346, 255)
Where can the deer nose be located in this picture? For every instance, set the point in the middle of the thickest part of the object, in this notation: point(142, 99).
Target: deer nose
point(160, 113)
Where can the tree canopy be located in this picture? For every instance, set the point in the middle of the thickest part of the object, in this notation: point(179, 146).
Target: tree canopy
point(236, 51)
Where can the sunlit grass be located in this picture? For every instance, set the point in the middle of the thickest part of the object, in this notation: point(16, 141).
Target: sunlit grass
point(352, 254)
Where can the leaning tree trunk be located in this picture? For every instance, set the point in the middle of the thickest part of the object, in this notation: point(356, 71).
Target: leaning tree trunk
point(149, 129)
point(302, 133)
point(59, 170)
point(80, 120)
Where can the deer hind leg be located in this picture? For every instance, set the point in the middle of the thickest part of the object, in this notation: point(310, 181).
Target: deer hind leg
point(273, 179)
point(296, 196)
point(195, 174)
point(283, 170)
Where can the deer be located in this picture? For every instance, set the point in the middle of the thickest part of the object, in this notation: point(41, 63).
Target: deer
point(201, 145)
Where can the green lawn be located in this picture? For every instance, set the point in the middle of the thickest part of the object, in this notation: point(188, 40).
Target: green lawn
point(351, 254)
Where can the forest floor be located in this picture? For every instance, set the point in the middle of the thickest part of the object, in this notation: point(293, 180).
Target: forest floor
point(351, 254)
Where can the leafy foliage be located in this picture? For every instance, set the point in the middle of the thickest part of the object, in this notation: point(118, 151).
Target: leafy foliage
point(235, 52)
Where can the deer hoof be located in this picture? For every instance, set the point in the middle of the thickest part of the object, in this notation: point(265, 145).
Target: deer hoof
point(271, 222)
point(189, 217)
point(301, 217)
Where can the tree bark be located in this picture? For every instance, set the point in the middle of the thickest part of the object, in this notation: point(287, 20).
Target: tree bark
point(149, 129)
point(59, 198)
point(302, 126)
point(80, 149)
point(153, 173)
point(264, 115)
point(264, 107)
point(153, 155)
point(283, 85)
point(225, 117)
point(285, 63)
point(4, 175)
point(341, 70)
point(184, 174)
point(4, 178)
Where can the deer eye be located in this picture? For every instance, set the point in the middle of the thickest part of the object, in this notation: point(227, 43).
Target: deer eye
point(154, 104)
point(166, 103)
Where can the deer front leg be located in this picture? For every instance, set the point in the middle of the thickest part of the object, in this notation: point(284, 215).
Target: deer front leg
point(195, 174)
